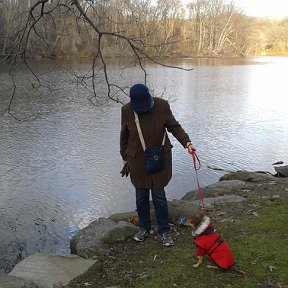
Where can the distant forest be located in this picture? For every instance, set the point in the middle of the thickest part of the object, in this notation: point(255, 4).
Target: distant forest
point(165, 28)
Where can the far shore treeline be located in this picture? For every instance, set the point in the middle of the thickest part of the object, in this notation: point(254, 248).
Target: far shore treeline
point(165, 28)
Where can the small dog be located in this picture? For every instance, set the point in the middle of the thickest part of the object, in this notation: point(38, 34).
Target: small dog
point(209, 243)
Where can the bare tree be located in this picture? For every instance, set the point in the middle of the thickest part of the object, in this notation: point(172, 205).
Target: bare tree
point(216, 26)
point(197, 16)
point(169, 14)
point(101, 21)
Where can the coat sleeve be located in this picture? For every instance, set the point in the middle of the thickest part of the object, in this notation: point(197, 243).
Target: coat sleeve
point(174, 127)
point(124, 135)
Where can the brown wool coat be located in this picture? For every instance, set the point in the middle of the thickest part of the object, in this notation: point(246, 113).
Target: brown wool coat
point(153, 124)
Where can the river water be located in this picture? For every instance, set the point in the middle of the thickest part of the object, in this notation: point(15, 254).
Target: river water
point(59, 167)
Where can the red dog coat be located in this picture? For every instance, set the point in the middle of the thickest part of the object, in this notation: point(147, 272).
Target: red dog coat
point(209, 242)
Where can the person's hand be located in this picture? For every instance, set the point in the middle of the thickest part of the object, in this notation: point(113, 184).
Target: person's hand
point(125, 170)
point(190, 148)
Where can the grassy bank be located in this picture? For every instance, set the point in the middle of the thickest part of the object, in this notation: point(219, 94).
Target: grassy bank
point(258, 242)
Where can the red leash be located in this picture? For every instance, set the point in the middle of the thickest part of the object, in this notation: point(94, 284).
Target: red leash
point(195, 157)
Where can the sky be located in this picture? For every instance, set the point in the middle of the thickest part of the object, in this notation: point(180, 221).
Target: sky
point(264, 8)
point(261, 8)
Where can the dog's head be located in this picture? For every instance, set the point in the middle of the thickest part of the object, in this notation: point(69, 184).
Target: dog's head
point(200, 221)
point(198, 218)
point(195, 220)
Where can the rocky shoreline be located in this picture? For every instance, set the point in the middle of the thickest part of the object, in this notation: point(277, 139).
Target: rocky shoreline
point(93, 243)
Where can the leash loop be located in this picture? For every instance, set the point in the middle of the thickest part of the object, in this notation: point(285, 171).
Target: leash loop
point(196, 158)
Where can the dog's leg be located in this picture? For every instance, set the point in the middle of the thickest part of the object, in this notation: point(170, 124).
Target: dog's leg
point(200, 260)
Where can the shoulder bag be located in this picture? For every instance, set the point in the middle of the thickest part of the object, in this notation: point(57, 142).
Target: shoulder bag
point(154, 156)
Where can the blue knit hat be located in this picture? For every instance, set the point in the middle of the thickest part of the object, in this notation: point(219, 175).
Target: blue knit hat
point(140, 98)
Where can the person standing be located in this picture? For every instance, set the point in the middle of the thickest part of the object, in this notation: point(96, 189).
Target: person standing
point(154, 117)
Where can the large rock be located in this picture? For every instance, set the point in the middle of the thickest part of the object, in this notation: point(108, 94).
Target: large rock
point(92, 241)
point(14, 282)
point(248, 176)
point(119, 233)
point(180, 208)
point(124, 216)
point(217, 189)
point(212, 201)
point(47, 270)
point(177, 209)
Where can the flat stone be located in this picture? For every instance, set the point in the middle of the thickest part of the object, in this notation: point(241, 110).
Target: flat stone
point(47, 270)
point(8, 281)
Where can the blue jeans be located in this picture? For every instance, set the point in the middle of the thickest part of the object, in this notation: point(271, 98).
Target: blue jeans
point(160, 206)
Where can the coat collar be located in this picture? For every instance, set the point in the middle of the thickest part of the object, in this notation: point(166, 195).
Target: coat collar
point(202, 226)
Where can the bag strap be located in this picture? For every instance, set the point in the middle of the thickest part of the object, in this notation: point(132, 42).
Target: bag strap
point(139, 131)
point(141, 134)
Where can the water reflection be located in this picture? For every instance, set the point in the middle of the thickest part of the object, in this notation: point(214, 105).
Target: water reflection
point(60, 170)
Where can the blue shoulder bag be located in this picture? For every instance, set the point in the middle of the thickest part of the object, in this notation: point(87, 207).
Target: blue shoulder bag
point(154, 156)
